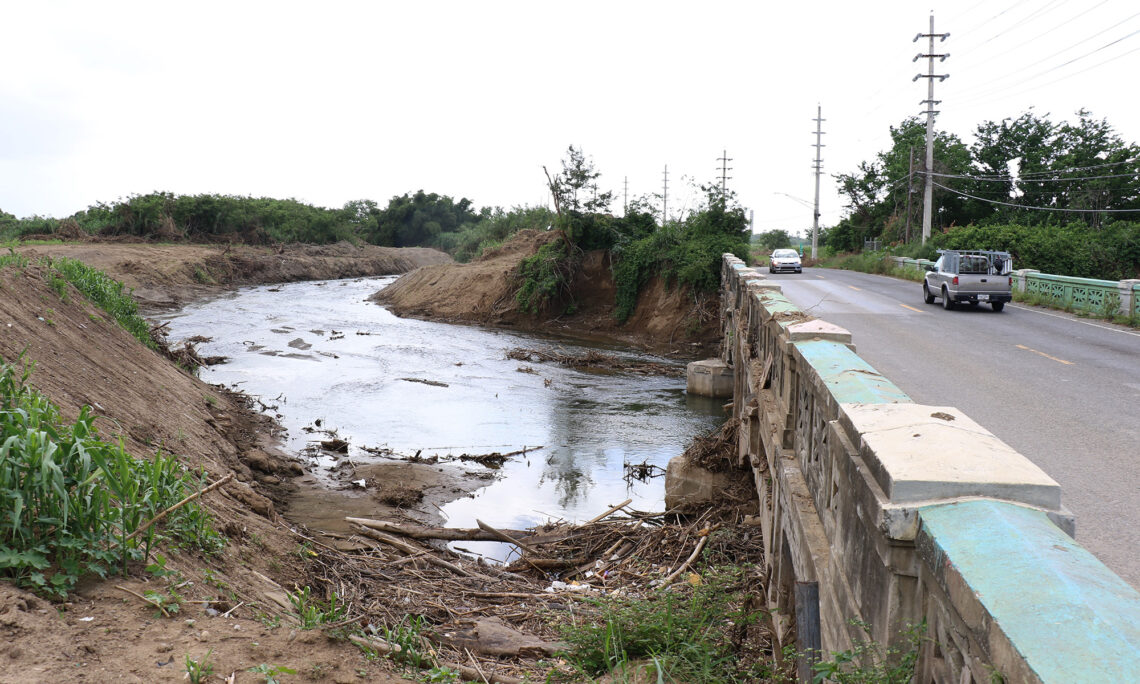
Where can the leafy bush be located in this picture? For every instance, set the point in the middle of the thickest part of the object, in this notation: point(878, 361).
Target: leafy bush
point(545, 276)
point(72, 501)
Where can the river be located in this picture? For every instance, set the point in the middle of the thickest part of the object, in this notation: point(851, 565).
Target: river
point(326, 359)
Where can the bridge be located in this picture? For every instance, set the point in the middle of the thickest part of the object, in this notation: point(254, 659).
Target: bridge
point(880, 510)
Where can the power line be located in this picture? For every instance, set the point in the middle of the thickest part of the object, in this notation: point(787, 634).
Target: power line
point(987, 93)
point(1023, 206)
point(1066, 22)
point(1068, 76)
point(1000, 179)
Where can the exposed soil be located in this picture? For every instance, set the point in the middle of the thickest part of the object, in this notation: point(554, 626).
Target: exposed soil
point(170, 275)
point(668, 320)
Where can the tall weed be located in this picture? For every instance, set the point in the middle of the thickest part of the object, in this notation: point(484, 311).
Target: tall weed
point(70, 500)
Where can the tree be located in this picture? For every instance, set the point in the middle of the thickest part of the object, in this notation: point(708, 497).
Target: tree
point(774, 239)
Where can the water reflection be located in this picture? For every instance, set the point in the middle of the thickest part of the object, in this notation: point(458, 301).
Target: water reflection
point(417, 386)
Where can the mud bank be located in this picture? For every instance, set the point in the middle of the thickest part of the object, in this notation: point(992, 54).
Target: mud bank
point(670, 321)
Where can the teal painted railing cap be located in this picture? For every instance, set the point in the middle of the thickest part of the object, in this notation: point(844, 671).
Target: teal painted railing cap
point(849, 378)
point(1071, 618)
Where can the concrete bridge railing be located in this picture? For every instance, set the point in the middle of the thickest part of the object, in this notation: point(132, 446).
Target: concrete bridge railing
point(895, 514)
point(1091, 295)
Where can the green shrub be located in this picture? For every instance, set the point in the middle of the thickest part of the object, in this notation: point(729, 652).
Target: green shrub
point(545, 276)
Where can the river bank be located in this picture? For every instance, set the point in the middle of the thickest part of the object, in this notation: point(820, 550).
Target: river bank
point(236, 611)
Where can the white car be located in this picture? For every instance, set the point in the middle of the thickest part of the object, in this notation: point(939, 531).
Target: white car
point(785, 260)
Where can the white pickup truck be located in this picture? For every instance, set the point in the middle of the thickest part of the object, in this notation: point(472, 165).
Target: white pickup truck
point(969, 276)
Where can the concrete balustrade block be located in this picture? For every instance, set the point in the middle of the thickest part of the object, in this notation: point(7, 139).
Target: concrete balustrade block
point(928, 453)
point(818, 330)
point(1041, 607)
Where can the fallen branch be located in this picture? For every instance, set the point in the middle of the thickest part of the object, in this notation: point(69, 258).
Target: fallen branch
point(608, 513)
point(503, 536)
point(418, 532)
point(685, 566)
point(152, 602)
point(178, 505)
point(415, 550)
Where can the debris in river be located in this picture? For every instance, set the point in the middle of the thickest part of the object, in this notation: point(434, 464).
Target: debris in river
point(642, 472)
point(596, 361)
point(335, 445)
point(433, 383)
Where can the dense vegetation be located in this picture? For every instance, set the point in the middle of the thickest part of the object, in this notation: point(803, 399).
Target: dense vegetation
point(1061, 197)
point(685, 251)
point(419, 219)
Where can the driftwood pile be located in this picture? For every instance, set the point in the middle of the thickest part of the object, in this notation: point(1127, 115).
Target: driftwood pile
point(495, 622)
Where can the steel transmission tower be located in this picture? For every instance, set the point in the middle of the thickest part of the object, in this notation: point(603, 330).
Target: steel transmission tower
point(818, 166)
point(665, 197)
point(930, 113)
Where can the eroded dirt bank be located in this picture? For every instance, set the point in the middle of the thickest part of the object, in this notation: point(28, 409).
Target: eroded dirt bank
point(236, 608)
point(667, 320)
point(170, 275)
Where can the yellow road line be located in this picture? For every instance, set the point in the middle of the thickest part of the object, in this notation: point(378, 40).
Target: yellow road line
point(857, 289)
point(911, 308)
point(1051, 358)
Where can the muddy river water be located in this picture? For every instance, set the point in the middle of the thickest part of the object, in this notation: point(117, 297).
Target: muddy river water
point(328, 359)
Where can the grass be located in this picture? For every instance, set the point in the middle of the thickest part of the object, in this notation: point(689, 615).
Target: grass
point(685, 635)
point(869, 662)
point(103, 291)
point(72, 501)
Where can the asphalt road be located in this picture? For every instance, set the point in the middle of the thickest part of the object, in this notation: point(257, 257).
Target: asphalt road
point(1062, 390)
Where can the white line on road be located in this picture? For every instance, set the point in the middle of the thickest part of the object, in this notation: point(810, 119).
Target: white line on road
point(1075, 320)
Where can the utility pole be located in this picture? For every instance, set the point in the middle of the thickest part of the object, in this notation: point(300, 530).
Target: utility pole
point(909, 192)
point(930, 113)
point(665, 197)
point(724, 169)
point(625, 197)
point(818, 168)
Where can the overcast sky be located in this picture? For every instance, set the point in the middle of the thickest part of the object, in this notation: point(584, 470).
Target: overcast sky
point(335, 101)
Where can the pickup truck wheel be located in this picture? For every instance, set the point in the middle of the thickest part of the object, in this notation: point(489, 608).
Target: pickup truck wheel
point(998, 306)
point(926, 296)
point(947, 303)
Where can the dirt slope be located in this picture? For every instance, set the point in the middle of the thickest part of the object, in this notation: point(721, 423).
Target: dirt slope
point(667, 320)
point(168, 275)
point(104, 633)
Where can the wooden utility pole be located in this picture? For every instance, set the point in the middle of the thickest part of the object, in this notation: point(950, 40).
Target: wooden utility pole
point(818, 168)
point(928, 197)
